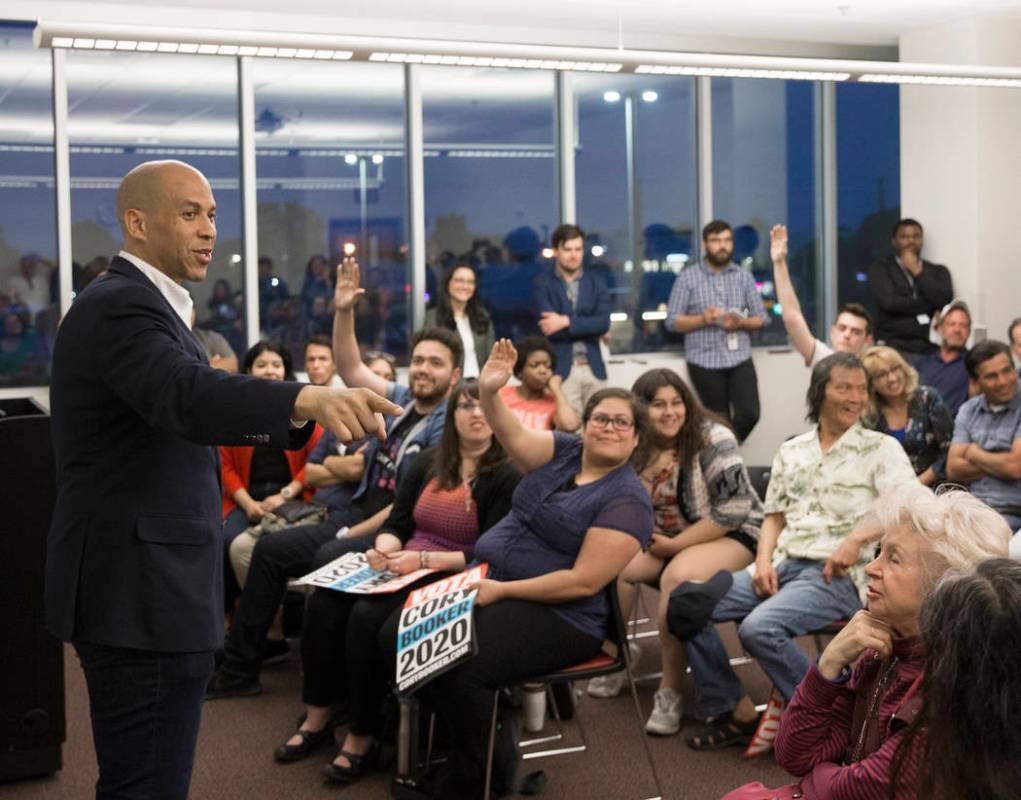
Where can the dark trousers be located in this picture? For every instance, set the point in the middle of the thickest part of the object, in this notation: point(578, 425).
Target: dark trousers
point(516, 639)
point(732, 392)
point(289, 553)
point(146, 708)
point(340, 655)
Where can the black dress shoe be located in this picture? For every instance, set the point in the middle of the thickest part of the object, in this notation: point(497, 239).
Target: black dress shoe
point(224, 684)
point(277, 651)
point(310, 741)
point(360, 764)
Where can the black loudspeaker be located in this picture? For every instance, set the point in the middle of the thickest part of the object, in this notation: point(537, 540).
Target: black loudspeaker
point(32, 724)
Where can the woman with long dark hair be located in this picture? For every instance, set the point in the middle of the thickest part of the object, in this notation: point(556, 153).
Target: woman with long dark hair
point(971, 629)
point(459, 308)
point(841, 732)
point(707, 519)
point(448, 497)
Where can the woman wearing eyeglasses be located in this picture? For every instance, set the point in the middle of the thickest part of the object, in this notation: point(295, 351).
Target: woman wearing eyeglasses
point(914, 415)
point(707, 519)
point(578, 517)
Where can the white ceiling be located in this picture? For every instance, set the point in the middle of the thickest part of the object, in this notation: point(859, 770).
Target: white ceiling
point(767, 26)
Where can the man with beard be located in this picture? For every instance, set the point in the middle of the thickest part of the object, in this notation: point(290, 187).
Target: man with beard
point(716, 303)
point(944, 370)
point(435, 368)
point(908, 290)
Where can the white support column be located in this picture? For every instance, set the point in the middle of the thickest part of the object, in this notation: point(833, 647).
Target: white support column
point(249, 206)
point(62, 179)
point(414, 155)
point(827, 265)
point(567, 134)
point(704, 154)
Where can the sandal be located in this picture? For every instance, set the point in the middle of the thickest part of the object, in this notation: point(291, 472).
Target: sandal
point(724, 731)
point(310, 741)
point(359, 765)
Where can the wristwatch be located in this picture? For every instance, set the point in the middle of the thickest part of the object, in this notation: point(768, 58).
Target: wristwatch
point(287, 492)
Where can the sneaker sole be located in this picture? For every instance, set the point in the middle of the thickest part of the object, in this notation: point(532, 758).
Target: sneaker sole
point(662, 731)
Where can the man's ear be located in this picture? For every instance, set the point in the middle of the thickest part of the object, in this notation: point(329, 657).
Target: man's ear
point(135, 224)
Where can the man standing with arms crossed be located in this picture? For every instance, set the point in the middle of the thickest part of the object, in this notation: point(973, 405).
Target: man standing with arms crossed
point(134, 572)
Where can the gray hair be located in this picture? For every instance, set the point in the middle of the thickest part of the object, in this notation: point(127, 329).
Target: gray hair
point(958, 529)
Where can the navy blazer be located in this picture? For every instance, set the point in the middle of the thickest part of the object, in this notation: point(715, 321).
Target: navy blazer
point(134, 555)
point(590, 319)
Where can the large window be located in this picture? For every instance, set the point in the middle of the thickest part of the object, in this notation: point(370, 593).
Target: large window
point(490, 183)
point(28, 254)
point(764, 174)
point(125, 109)
point(636, 131)
point(331, 171)
point(868, 186)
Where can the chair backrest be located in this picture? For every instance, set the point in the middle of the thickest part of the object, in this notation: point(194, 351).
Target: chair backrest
point(759, 477)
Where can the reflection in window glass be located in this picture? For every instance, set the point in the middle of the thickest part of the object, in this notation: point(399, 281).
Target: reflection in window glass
point(29, 307)
point(640, 264)
point(764, 174)
point(331, 170)
point(490, 183)
point(128, 108)
point(868, 182)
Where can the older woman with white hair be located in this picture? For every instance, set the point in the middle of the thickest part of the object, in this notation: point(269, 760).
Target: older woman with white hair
point(841, 730)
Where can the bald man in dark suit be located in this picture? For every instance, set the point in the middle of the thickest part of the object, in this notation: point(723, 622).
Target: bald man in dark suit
point(134, 567)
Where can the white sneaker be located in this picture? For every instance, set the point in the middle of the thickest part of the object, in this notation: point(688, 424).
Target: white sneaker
point(607, 685)
point(665, 719)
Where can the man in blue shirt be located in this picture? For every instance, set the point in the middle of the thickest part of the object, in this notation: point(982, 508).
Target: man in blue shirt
point(574, 309)
point(716, 304)
point(986, 449)
point(944, 369)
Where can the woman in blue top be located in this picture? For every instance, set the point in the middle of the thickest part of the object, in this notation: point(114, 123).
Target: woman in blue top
point(577, 518)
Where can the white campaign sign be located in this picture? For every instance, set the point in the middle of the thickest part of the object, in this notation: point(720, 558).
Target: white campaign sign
point(436, 630)
point(351, 573)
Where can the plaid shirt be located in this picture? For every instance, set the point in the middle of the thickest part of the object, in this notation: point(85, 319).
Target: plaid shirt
point(994, 431)
point(697, 288)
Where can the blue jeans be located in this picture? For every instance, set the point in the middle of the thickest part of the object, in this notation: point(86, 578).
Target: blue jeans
point(146, 708)
point(804, 603)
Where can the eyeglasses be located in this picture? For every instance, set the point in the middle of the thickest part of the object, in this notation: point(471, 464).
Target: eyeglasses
point(619, 423)
point(885, 373)
point(471, 408)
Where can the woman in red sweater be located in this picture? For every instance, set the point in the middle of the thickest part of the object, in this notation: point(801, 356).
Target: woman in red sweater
point(840, 731)
point(257, 480)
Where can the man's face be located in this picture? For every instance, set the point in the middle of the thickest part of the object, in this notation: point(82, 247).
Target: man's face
point(431, 372)
point(319, 364)
point(846, 395)
point(569, 254)
point(997, 380)
point(719, 248)
point(1015, 341)
point(848, 334)
point(908, 237)
point(954, 328)
point(181, 230)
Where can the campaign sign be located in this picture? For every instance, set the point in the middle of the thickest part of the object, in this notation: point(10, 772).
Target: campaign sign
point(351, 573)
point(436, 628)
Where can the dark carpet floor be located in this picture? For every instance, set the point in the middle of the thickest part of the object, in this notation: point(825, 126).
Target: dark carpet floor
point(238, 736)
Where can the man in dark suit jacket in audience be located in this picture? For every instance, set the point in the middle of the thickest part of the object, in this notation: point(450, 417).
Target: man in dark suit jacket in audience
point(908, 290)
point(134, 572)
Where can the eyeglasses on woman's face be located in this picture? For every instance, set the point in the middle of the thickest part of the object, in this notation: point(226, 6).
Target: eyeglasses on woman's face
point(619, 422)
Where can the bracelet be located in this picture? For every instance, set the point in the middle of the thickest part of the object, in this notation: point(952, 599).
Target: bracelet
point(421, 559)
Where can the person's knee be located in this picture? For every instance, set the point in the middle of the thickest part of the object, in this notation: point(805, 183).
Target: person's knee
point(241, 549)
point(758, 629)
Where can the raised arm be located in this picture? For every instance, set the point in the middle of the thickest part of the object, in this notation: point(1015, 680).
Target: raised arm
point(527, 448)
point(345, 344)
point(793, 319)
point(565, 416)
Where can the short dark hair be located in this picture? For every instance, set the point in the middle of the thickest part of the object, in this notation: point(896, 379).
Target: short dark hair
point(982, 352)
point(272, 346)
point(1010, 329)
point(320, 339)
point(447, 338)
point(638, 409)
point(904, 223)
point(857, 310)
point(565, 233)
point(821, 377)
point(529, 345)
point(716, 226)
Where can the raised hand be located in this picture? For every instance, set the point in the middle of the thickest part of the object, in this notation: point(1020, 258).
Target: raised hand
point(778, 243)
point(498, 367)
point(348, 291)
